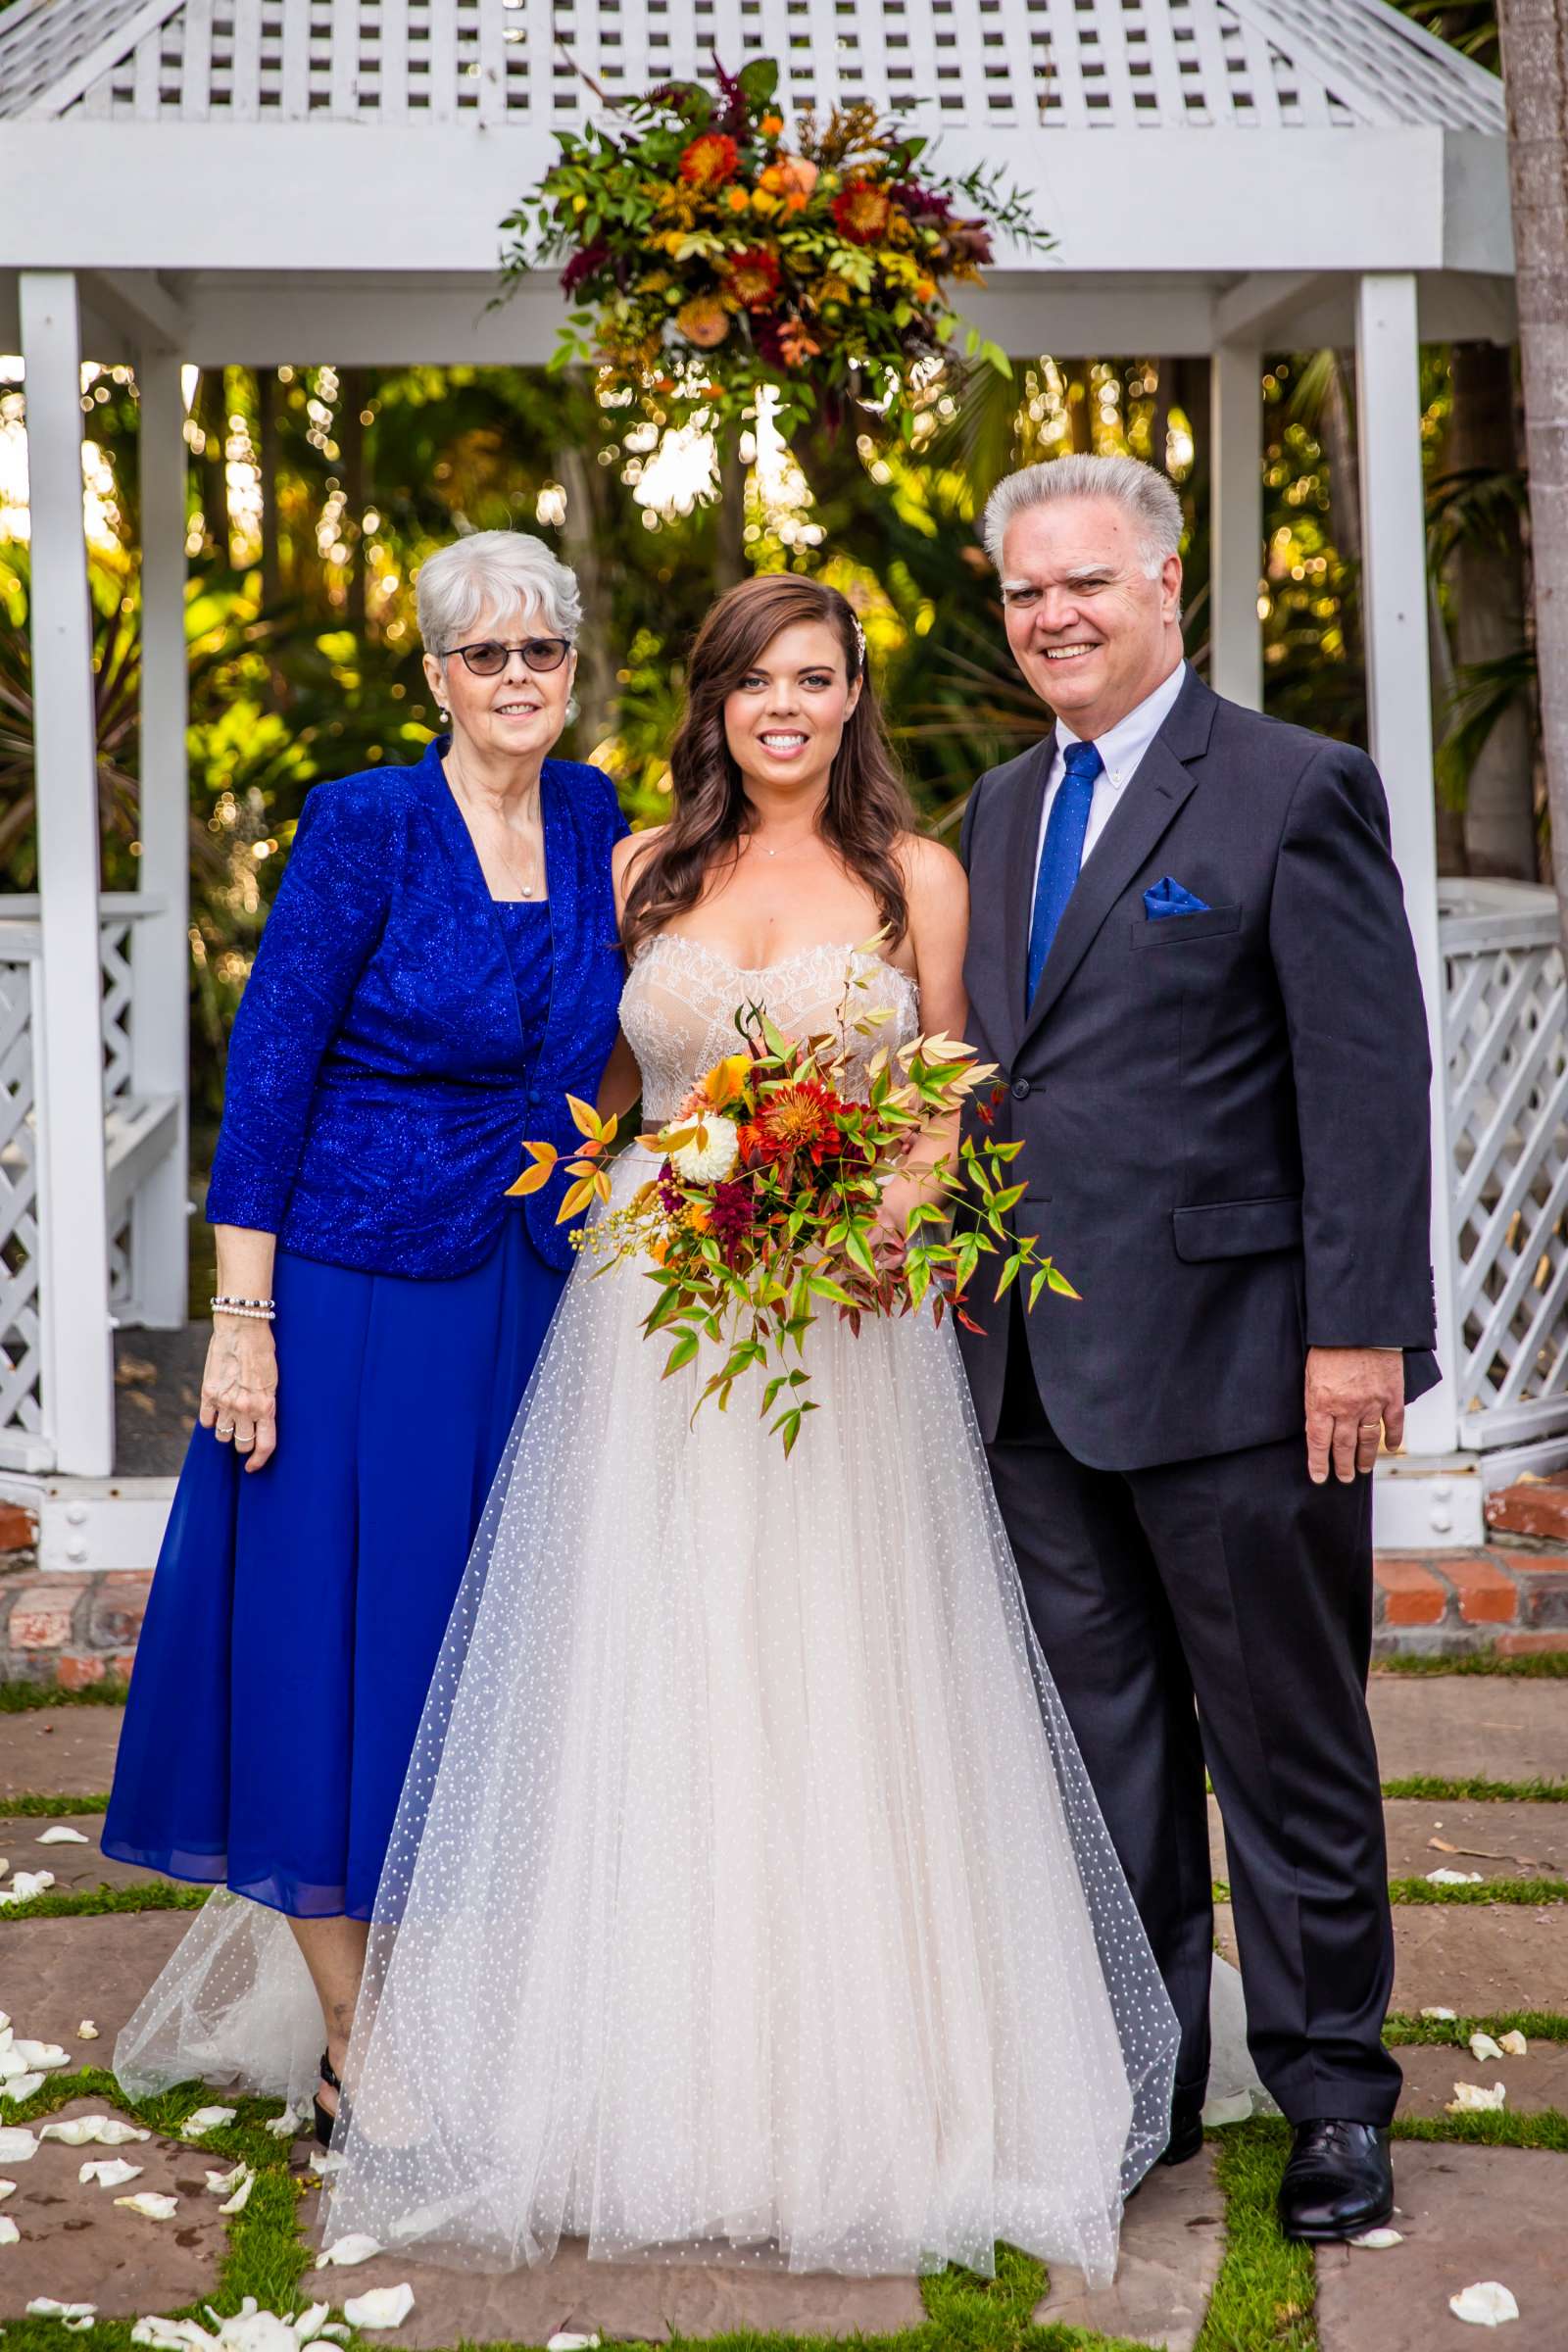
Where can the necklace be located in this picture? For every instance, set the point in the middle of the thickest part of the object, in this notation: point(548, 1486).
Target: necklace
point(527, 882)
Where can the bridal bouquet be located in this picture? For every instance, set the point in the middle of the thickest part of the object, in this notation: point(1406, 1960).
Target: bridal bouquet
point(764, 1207)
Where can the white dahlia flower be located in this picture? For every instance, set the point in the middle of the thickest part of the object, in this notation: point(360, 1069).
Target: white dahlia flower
point(710, 1163)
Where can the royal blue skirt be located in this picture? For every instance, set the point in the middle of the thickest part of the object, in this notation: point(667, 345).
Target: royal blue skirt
point(297, 1611)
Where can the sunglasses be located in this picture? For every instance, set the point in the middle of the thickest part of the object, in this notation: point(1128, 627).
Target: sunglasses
point(489, 658)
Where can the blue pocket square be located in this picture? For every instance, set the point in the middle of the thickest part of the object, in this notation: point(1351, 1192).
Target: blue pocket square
point(1168, 898)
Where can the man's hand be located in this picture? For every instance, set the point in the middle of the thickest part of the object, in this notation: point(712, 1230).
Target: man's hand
point(1353, 1396)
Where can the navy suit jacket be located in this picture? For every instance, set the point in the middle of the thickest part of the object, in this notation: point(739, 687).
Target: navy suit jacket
point(378, 1092)
point(1224, 1114)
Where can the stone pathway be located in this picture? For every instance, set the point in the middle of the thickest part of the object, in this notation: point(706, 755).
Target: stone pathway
point(59, 1751)
point(1467, 2213)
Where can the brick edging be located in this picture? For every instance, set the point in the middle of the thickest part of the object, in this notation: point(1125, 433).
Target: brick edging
point(73, 1630)
point(1443, 1604)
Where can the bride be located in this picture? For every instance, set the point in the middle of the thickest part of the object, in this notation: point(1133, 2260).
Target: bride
point(748, 1892)
point(747, 1899)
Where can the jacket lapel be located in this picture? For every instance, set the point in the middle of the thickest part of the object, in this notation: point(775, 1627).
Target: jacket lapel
point(1162, 782)
point(563, 878)
point(468, 879)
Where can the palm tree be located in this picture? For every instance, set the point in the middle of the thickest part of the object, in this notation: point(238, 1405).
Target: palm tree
point(1536, 81)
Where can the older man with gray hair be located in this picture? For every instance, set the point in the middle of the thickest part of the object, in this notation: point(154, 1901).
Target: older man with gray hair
point(1190, 961)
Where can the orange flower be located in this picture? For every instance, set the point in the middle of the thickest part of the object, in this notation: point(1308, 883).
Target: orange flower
point(798, 176)
point(737, 200)
point(772, 180)
point(794, 204)
point(710, 160)
point(770, 125)
point(703, 321)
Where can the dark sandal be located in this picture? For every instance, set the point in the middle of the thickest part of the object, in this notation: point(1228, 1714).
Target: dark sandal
point(323, 2120)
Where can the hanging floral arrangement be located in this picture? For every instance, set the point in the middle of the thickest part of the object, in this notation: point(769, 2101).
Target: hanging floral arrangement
point(707, 250)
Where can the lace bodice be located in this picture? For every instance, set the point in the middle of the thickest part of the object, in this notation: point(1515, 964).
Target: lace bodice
point(679, 1006)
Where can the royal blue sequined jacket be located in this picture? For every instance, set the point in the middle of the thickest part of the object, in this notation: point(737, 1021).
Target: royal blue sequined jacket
point(377, 1095)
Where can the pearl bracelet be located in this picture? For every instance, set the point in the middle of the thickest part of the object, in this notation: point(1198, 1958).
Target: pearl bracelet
point(250, 1310)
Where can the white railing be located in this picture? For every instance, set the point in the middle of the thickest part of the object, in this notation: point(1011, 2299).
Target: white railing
point(1505, 1025)
point(139, 1133)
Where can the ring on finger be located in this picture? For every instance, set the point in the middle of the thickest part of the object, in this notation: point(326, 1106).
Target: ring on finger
point(244, 1443)
point(224, 1429)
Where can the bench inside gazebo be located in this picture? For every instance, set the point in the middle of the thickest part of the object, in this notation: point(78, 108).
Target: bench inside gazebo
point(380, 143)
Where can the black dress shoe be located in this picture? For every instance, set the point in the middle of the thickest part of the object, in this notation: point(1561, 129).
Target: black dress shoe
point(1337, 2183)
point(1186, 2132)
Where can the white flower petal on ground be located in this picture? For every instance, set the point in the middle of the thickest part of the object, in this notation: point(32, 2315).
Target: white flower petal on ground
point(22, 2087)
point(337, 2332)
point(112, 2132)
point(307, 2327)
point(1439, 2017)
point(241, 2197)
point(325, 2161)
point(8, 2188)
point(224, 2185)
point(1454, 1878)
point(257, 2331)
point(344, 2252)
point(11, 2064)
point(284, 2125)
point(110, 2172)
point(1379, 2240)
point(1514, 2045)
point(568, 2342)
point(151, 2204)
point(1483, 2048)
point(1474, 2098)
point(86, 2030)
point(171, 2335)
point(62, 1835)
point(44, 2307)
point(79, 2325)
point(16, 2143)
point(10, 2234)
point(44, 2055)
point(1487, 2304)
point(206, 2119)
point(382, 2307)
point(25, 1885)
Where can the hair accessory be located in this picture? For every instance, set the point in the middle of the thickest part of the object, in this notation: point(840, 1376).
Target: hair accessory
point(860, 637)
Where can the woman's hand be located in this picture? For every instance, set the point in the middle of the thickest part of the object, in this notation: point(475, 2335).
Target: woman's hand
point(239, 1388)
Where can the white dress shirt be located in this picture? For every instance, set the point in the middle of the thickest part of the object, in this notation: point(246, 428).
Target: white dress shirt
point(1121, 747)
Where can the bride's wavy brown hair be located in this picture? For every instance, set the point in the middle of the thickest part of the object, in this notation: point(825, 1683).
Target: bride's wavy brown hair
point(867, 805)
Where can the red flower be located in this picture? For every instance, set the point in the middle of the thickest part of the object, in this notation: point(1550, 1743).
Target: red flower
point(710, 160)
point(753, 277)
point(799, 1116)
point(863, 212)
point(584, 266)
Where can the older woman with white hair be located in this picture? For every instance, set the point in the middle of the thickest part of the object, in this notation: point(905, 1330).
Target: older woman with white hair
point(439, 971)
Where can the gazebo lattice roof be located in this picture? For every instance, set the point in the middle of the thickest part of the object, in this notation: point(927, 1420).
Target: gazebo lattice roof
point(972, 64)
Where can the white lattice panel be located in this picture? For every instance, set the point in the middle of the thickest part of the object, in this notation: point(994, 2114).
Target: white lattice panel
point(1082, 64)
point(114, 942)
point(1506, 1030)
point(20, 1364)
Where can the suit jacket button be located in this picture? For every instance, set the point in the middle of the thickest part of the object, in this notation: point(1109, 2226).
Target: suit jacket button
point(1020, 1088)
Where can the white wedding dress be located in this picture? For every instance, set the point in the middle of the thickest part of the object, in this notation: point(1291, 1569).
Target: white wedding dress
point(748, 1897)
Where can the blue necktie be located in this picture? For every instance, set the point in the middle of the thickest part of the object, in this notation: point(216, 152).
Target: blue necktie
point(1062, 853)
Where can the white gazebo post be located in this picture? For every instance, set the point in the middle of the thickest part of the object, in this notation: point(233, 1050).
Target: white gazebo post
point(161, 946)
point(1236, 532)
point(1394, 603)
point(74, 1236)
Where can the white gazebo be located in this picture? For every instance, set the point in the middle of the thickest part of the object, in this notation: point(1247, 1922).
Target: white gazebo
point(261, 181)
